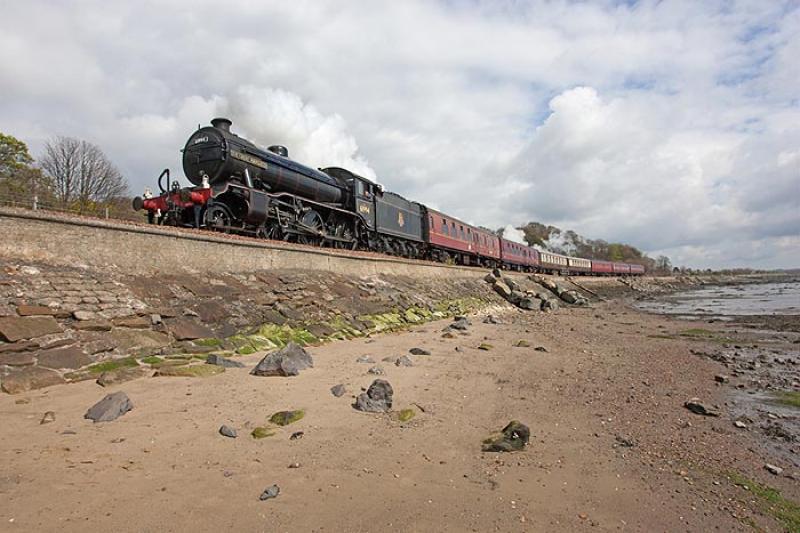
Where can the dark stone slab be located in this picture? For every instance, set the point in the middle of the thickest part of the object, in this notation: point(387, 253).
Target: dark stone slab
point(215, 359)
point(288, 361)
point(35, 310)
point(109, 408)
point(184, 329)
point(136, 322)
point(17, 358)
point(71, 357)
point(14, 329)
point(92, 325)
point(29, 378)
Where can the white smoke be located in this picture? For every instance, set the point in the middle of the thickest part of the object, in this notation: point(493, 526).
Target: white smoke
point(269, 116)
point(514, 235)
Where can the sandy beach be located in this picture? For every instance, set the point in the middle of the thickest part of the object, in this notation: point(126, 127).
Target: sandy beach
point(612, 446)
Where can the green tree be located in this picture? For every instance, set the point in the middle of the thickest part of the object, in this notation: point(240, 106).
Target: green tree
point(19, 180)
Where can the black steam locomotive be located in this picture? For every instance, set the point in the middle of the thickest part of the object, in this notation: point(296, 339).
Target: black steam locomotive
point(242, 188)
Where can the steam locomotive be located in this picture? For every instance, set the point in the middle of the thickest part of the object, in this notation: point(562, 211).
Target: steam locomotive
point(241, 188)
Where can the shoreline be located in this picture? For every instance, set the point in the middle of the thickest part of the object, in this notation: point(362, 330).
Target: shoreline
point(612, 444)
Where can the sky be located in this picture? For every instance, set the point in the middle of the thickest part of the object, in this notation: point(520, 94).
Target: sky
point(673, 125)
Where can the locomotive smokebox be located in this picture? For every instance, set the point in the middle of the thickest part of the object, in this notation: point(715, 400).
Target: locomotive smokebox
point(221, 123)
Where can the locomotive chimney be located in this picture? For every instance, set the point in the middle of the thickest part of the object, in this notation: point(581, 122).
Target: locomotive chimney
point(222, 123)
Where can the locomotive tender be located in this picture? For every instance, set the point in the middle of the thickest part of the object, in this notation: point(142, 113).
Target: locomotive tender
point(242, 188)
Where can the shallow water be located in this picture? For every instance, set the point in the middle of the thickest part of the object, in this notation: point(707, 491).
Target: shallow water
point(736, 300)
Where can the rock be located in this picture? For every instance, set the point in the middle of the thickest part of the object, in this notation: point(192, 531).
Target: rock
point(698, 408)
point(569, 296)
point(365, 359)
point(448, 335)
point(513, 437)
point(129, 340)
point(376, 370)
point(227, 431)
point(284, 418)
point(35, 310)
point(403, 360)
point(297, 435)
point(17, 358)
point(338, 390)
point(270, 492)
point(625, 442)
point(29, 378)
point(549, 305)
point(261, 432)
point(70, 357)
point(185, 329)
point(419, 351)
point(490, 319)
point(516, 297)
point(774, 470)
point(13, 329)
point(288, 361)
point(490, 279)
point(189, 371)
point(109, 408)
point(496, 273)
point(29, 270)
point(719, 378)
point(485, 346)
point(540, 349)
point(377, 399)
point(460, 324)
point(135, 322)
point(121, 375)
point(739, 424)
point(522, 343)
point(48, 417)
point(513, 285)
point(530, 304)
point(84, 315)
point(502, 289)
point(214, 359)
point(155, 319)
point(406, 414)
point(93, 325)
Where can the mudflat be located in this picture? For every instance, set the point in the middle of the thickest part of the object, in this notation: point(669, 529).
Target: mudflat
point(601, 388)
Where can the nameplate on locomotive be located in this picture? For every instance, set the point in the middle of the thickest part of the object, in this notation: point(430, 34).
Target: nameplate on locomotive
point(247, 158)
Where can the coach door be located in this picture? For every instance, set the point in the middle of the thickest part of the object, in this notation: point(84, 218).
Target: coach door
point(365, 202)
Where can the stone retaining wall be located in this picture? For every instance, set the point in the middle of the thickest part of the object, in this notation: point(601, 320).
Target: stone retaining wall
point(142, 249)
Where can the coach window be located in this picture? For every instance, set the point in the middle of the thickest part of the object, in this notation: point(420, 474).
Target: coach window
point(444, 227)
point(454, 231)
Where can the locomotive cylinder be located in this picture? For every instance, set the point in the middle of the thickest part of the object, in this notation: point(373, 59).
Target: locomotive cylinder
point(220, 155)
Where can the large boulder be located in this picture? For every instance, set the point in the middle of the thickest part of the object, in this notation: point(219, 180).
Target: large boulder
point(377, 399)
point(502, 289)
point(513, 437)
point(109, 408)
point(531, 304)
point(516, 297)
point(513, 285)
point(288, 361)
point(550, 304)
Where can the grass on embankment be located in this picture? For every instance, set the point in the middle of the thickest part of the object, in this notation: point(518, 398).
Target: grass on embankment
point(771, 502)
point(789, 398)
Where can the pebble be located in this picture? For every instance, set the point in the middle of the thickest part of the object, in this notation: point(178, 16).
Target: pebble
point(270, 492)
point(740, 424)
point(772, 469)
point(48, 417)
point(227, 431)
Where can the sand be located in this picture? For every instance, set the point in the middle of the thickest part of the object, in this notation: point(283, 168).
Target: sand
point(605, 380)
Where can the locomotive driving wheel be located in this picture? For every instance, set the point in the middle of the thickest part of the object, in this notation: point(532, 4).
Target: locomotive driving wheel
point(218, 218)
point(314, 226)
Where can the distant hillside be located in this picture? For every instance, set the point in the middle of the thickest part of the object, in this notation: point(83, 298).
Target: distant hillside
point(556, 240)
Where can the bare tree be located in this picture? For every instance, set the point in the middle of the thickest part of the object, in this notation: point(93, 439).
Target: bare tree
point(81, 173)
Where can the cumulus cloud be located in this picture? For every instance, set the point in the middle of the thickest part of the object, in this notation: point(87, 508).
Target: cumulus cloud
point(670, 125)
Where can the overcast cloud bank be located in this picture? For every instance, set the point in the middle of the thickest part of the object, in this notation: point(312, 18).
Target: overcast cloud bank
point(674, 126)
